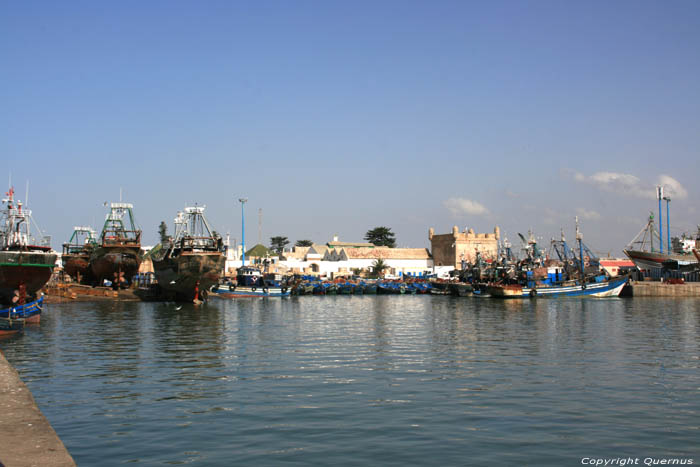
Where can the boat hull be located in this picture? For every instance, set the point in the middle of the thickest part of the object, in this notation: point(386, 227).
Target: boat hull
point(9, 327)
point(503, 291)
point(650, 260)
point(460, 289)
point(31, 269)
point(247, 291)
point(611, 288)
point(77, 266)
point(110, 263)
point(189, 273)
point(29, 312)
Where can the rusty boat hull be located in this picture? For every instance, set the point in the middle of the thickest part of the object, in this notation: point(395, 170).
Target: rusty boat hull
point(182, 276)
point(112, 262)
point(77, 266)
point(31, 269)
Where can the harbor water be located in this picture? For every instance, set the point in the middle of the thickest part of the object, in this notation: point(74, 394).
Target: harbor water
point(368, 380)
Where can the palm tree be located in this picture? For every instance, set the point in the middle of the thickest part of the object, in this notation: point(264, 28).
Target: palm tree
point(378, 267)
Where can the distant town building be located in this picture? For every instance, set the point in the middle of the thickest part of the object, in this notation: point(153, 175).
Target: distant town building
point(615, 266)
point(400, 261)
point(337, 258)
point(450, 249)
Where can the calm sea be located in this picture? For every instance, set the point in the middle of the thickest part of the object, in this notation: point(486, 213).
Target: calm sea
point(373, 380)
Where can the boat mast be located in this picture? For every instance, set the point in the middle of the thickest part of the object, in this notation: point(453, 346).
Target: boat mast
point(668, 224)
point(579, 238)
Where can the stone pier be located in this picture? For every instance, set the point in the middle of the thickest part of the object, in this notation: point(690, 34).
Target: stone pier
point(26, 437)
point(663, 289)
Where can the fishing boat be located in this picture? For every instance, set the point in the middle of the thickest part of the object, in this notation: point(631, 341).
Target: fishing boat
point(250, 282)
point(599, 286)
point(11, 326)
point(440, 287)
point(346, 288)
point(642, 251)
point(29, 312)
point(25, 266)
point(369, 288)
point(189, 264)
point(571, 276)
point(460, 289)
point(391, 288)
point(76, 254)
point(117, 256)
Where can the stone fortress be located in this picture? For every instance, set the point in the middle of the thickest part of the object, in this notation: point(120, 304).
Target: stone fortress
point(450, 249)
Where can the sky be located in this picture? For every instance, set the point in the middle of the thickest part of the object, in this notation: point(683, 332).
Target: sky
point(334, 117)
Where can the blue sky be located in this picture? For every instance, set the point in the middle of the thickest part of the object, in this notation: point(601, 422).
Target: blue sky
point(337, 117)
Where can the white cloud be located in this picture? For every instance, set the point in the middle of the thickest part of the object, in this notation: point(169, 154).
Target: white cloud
point(673, 187)
point(460, 206)
point(587, 214)
point(631, 185)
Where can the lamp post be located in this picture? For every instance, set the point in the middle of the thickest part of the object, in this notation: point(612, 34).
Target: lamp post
point(668, 224)
point(660, 196)
point(243, 201)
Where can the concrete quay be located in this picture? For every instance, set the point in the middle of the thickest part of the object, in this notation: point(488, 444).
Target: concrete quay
point(664, 289)
point(26, 437)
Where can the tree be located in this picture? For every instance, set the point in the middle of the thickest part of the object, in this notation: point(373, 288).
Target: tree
point(378, 267)
point(163, 231)
point(278, 243)
point(304, 243)
point(381, 236)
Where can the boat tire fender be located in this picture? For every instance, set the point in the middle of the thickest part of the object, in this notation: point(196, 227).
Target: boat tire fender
point(284, 289)
point(264, 289)
point(533, 293)
point(253, 289)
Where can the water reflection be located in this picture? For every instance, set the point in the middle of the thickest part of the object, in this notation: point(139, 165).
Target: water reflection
point(411, 379)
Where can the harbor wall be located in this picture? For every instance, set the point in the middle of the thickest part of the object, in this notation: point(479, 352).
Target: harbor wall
point(664, 289)
point(27, 437)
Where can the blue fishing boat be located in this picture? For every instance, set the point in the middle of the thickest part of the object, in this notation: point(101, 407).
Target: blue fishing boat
point(11, 326)
point(600, 286)
point(29, 312)
point(250, 282)
point(574, 276)
point(346, 288)
point(369, 288)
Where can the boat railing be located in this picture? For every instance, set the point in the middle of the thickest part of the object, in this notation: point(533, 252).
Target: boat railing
point(121, 238)
point(210, 243)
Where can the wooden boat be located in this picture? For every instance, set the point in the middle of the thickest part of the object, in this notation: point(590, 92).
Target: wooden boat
point(11, 326)
point(460, 289)
point(345, 288)
point(250, 282)
point(29, 312)
point(601, 287)
point(440, 287)
point(187, 266)
point(369, 288)
point(117, 256)
point(25, 267)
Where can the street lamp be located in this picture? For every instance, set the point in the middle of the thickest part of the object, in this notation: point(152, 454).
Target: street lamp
point(243, 201)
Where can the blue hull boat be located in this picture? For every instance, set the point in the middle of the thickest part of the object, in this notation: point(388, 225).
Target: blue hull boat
point(29, 312)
